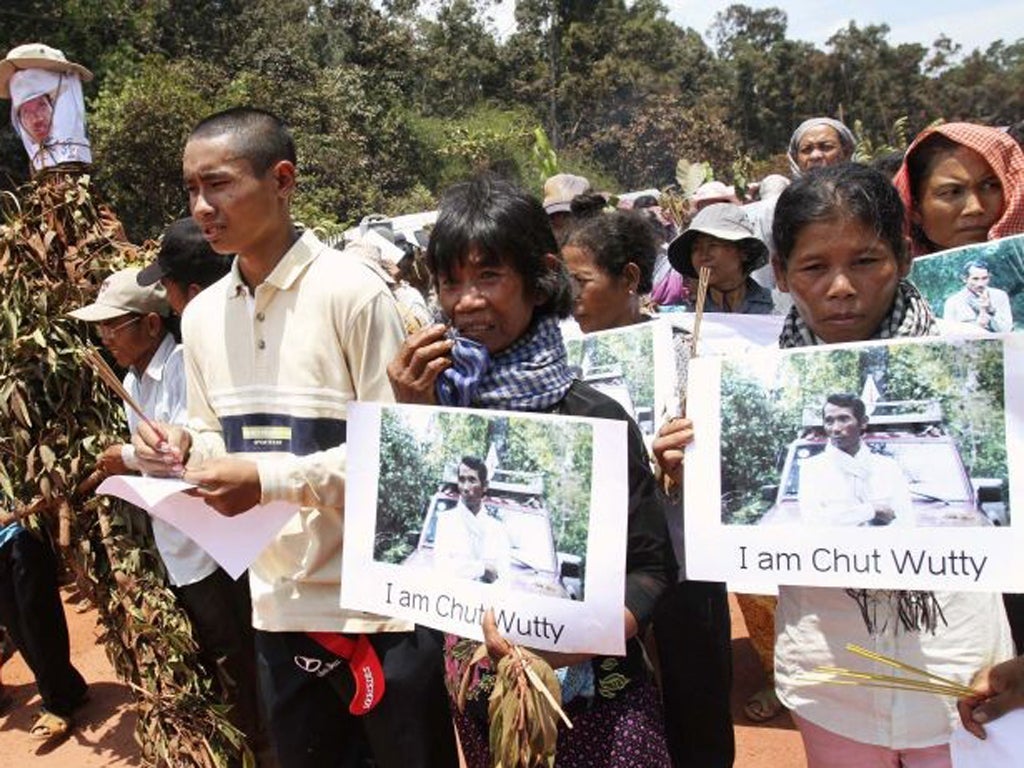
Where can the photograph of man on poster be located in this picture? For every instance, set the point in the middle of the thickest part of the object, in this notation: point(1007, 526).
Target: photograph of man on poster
point(848, 483)
point(975, 288)
point(471, 542)
point(978, 303)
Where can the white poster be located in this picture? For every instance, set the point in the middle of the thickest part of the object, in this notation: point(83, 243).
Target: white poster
point(879, 465)
point(452, 511)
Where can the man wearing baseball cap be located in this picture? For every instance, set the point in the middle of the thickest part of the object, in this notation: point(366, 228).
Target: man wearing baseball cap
point(132, 324)
point(185, 265)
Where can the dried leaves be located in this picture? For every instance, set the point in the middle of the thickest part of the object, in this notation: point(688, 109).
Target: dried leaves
point(523, 709)
point(57, 244)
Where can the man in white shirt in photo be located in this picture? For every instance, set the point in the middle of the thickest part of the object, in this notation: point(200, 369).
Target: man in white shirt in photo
point(847, 483)
point(470, 542)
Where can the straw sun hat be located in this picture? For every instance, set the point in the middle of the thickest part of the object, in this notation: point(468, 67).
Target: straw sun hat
point(36, 56)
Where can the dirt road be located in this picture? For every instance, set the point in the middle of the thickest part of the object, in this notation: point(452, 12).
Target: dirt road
point(103, 732)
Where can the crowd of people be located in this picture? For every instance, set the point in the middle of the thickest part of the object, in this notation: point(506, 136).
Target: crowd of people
point(278, 333)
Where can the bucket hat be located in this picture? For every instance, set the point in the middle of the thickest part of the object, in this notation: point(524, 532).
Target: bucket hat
point(725, 221)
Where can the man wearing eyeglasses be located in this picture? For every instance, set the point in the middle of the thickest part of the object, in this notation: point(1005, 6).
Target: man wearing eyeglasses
point(132, 322)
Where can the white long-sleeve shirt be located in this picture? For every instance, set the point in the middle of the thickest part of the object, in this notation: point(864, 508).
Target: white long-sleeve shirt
point(160, 392)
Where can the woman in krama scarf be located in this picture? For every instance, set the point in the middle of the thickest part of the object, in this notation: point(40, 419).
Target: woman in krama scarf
point(961, 183)
point(841, 255)
point(501, 285)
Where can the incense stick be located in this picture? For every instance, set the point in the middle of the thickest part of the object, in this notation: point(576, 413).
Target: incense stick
point(874, 656)
point(923, 682)
point(108, 377)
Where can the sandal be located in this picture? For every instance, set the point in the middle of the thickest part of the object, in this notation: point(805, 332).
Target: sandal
point(50, 726)
point(763, 706)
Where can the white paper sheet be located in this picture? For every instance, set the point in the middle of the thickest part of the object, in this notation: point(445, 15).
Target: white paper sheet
point(1002, 747)
point(234, 542)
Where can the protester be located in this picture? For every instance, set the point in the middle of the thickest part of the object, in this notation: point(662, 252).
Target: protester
point(711, 192)
point(819, 142)
point(721, 237)
point(1000, 690)
point(47, 106)
point(847, 221)
point(301, 331)
point(185, 264)
point(761, 212)
point(501, 284)
point(610, 260)
point(131, 320)
point(31, 610)
point(559, 192)
point(961, 183)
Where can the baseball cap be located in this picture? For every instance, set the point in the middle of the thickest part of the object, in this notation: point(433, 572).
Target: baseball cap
point(121, 294)
point(185, 257)
point(726, 221)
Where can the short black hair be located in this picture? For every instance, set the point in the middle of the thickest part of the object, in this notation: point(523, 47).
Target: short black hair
point(261, 137)
point(477, 466)
point(975, 264)
point(849, 401)
point(506, 225)
point(847, 189)
point(616, 239)
point(186, 258)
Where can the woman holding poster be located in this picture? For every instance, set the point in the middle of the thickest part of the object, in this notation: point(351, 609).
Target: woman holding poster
point(610, 258)
point(502, 287)
point(841, 256)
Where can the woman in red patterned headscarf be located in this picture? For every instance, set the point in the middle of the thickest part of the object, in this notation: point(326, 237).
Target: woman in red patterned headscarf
point(961, 183)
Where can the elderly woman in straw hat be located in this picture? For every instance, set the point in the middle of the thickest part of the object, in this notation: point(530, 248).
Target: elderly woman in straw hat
point(47, 106)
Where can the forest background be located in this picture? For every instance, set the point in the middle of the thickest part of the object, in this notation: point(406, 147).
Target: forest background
point(389, 106)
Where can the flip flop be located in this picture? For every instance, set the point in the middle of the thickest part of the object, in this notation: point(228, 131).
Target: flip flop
point(49, 726)
point(763, 706)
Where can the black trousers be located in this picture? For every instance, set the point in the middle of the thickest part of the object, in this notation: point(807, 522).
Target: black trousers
point(311, 727)
point(693, 636)
point(221, 613)
point(31, 610)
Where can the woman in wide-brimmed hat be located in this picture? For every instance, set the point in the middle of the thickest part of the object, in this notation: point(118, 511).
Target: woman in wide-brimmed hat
point(721, 237)
point(47, 106)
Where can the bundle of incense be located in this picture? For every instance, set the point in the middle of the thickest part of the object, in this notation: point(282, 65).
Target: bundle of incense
point(108, 377)
point(921, 680)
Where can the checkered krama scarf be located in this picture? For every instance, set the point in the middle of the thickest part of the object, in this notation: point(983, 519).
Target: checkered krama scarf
point(530, 375)
point(1000, 151)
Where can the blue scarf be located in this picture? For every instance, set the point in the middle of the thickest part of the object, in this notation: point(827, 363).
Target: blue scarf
point(530, 375)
